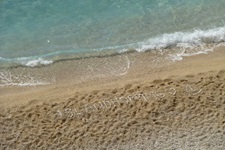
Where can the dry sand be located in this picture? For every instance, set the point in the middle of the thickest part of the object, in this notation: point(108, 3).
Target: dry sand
point(151, 105)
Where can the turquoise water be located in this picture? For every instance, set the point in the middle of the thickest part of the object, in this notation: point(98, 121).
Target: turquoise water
point(45, 31)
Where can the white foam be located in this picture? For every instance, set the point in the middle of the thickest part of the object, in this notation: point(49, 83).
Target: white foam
point(26, 61)
point(37, 62)
point(180, 55)
point(7, 78)
point(24, 84)
point(185, 44)
point(193, 39)
point(182, 39)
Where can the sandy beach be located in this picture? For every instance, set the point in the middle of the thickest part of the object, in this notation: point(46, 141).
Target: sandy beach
point(139, 103)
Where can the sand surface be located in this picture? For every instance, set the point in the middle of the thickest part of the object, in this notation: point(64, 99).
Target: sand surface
point(150, 105)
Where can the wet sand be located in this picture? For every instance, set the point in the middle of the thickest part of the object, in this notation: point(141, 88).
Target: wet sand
point(139, 103)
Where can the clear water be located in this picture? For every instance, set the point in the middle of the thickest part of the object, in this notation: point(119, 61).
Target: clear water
point(46, 30)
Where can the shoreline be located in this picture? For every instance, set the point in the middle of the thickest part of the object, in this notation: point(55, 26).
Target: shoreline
point(139, 69)
point(192, 39)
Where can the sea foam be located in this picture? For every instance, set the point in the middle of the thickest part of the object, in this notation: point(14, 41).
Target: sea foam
point(8, 78)
point(26, 61)
point(37, 62)
point(194, 39)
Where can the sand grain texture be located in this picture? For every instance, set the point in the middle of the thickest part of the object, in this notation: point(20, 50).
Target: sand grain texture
point(184, 118)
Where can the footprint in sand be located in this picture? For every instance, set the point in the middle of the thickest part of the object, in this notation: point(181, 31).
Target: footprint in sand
point(192, 91)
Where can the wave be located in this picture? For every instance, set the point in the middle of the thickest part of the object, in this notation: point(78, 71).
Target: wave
point(186, 44)
point(197, 38)
point(25, 61)
point(37, 62)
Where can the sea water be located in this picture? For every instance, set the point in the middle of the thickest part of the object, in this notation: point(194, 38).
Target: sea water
point(39, 32)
